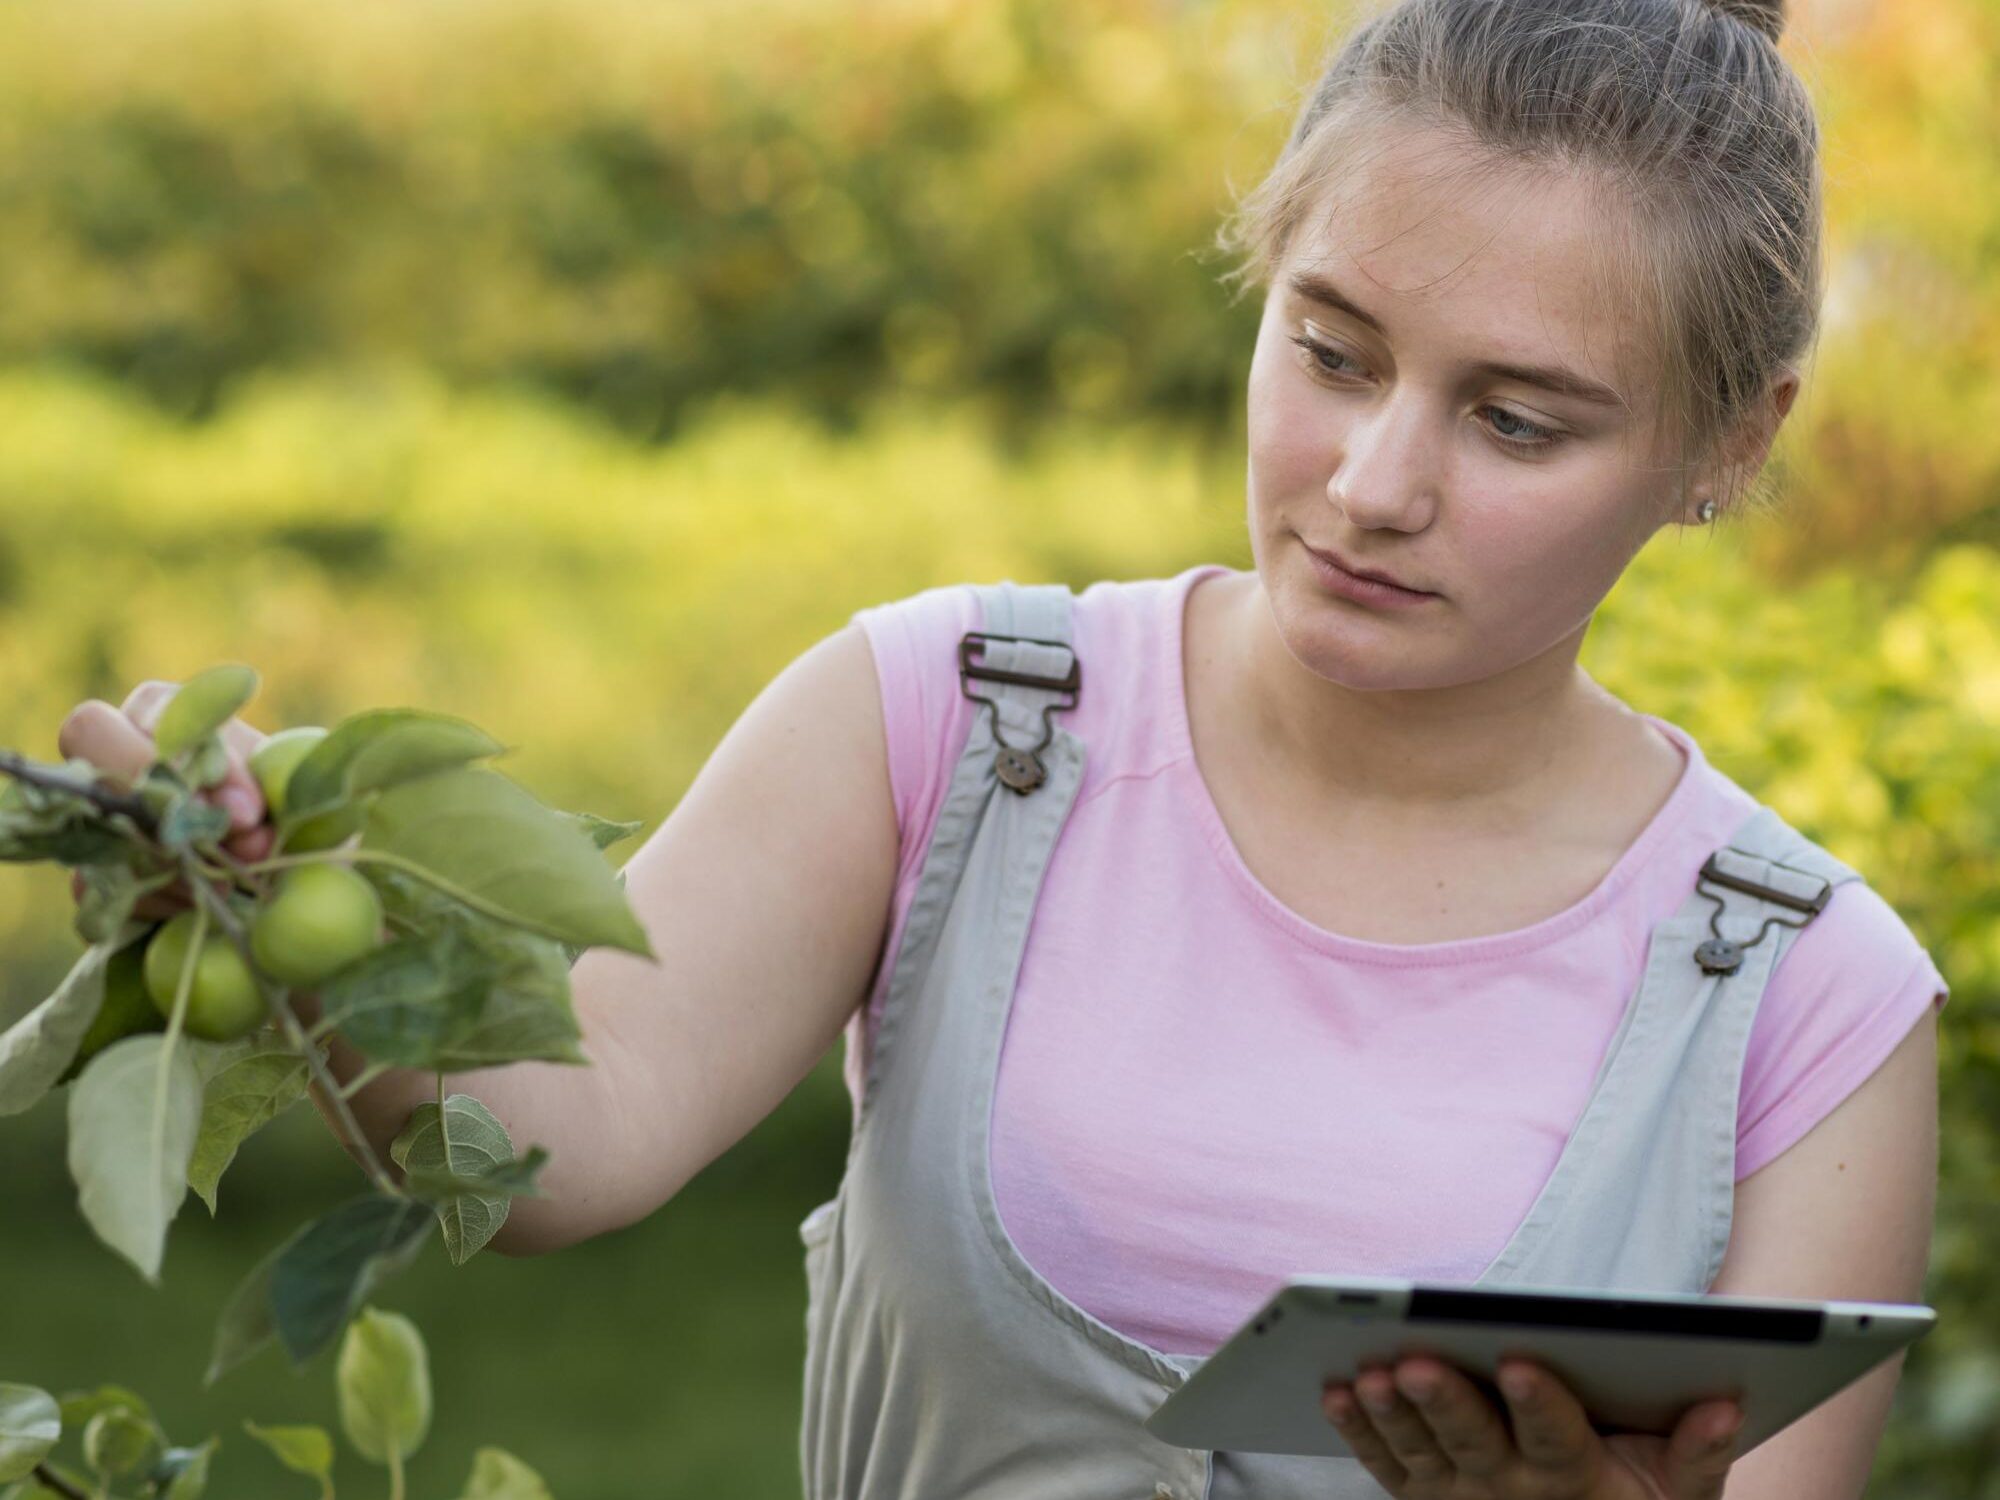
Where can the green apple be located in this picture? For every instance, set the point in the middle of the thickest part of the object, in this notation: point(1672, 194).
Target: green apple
point(272, 763)
point(223, 1002)
point(322, 917)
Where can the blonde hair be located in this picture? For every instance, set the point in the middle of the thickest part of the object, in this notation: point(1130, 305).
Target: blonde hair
point(1698, 134)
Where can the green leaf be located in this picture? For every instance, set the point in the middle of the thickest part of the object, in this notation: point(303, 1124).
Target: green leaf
point(189, 1472)
point(78, 1407)
point(158, 788)
point(527, 1015)
point(464, 992)
point(247, 1322)
point(209, 765)
point(125, 1009)
point(602, 831)
point(573, 951)
point(397, 1001)
point(320, 1280)
point(381, 748)
point(383, 1382)
point(498, 1475)
point(303, 1449)
point(75, 843)
point(485, 837)
point(246, 1083)
point(461, 1142)
point(202, 705)
point(30, 1425)
point(117, 1442)
point(306, 1289)
point(131, 1135)
point(514, 1178)
point(110, 891)
point(190, 821)
point(36, 1049)
point(58, 823)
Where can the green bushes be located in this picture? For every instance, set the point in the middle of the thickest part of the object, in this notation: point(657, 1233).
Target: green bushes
point(635, 206)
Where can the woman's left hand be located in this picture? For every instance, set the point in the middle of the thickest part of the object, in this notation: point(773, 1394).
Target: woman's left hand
point(1443, 1439)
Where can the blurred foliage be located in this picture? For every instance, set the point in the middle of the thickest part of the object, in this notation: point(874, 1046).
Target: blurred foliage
point(610, 608)
point(637, 204)
point(573, 368)
point(630, 203)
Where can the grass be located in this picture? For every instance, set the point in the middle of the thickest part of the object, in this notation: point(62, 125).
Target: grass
point(663, 1359)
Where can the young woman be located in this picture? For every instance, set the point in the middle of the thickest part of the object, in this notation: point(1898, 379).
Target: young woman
point(1311, 924)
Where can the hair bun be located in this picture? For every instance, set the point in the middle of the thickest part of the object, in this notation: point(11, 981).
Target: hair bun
point(1768, 16)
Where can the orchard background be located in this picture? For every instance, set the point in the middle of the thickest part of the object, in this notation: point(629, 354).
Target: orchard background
point(571, 367)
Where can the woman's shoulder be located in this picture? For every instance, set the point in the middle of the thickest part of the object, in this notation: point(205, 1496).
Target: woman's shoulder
point(1857, 929)
point(1122, 630)
point(1849, 986)
point(1125, 635)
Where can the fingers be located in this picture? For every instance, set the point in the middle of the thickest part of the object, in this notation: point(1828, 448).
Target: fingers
point(118, 741)
point(1435, 1421)
point(1430, 1423)
point(1401, 1435)
point(110, 740)
point(1344, 1408)
point(251, 844)
point(1702, 1449)
point(1465, 1423)
point(100, 734)
point(1551, 1428)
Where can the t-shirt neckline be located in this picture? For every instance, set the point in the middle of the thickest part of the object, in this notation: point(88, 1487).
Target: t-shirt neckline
point(1403, 955)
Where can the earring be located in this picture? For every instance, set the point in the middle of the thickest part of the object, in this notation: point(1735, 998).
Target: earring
point(1706, 510)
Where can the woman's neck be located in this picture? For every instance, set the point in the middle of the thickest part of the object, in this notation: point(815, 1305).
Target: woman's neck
point(1498, 751)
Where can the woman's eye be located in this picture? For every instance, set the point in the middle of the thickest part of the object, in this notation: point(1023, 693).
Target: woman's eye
point(1319, 352)
point(1517, 431)
point(1525, 434)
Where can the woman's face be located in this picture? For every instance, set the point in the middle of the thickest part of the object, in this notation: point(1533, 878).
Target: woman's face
point(1516, 505)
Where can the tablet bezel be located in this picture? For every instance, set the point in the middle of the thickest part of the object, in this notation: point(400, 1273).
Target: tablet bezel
point(1665, 1349)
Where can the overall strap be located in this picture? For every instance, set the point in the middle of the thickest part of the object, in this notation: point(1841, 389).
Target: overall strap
point(1024, 670)
point(1643, 1195)
point(1021, 667)
point(1788, 877)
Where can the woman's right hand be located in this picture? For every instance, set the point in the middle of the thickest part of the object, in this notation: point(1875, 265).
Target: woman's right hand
point(120, 741)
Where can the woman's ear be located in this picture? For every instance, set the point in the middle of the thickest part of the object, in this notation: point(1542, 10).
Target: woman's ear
point(1742, 454)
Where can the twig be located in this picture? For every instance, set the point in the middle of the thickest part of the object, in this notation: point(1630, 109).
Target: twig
point(48, 1480)
point(226, 920)
point(133, 807)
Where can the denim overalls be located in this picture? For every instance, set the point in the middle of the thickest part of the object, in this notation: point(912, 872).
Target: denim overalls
point(941, 1366)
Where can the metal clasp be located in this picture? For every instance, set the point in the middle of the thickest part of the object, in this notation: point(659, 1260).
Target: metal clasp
point(1020, 769)
point(1721, 955)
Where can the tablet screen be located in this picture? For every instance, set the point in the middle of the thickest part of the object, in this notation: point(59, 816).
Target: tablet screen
point(1713, 1318)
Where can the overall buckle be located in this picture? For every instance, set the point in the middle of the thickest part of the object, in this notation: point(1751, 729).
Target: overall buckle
point(1721, 955)
point(1020, 770)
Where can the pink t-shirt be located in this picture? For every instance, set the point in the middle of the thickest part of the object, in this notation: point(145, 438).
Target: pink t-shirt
point(1200, 1092)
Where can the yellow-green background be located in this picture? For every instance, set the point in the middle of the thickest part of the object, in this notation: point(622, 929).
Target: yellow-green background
point(571, 367)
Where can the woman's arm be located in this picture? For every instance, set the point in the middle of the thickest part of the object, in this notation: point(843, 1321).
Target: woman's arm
point(766, 895)
point(1845, 1213)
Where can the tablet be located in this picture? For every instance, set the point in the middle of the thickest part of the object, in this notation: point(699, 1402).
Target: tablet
point(1635, 1360)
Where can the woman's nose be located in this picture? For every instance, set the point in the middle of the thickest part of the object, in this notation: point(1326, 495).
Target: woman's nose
point(1384, 473)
